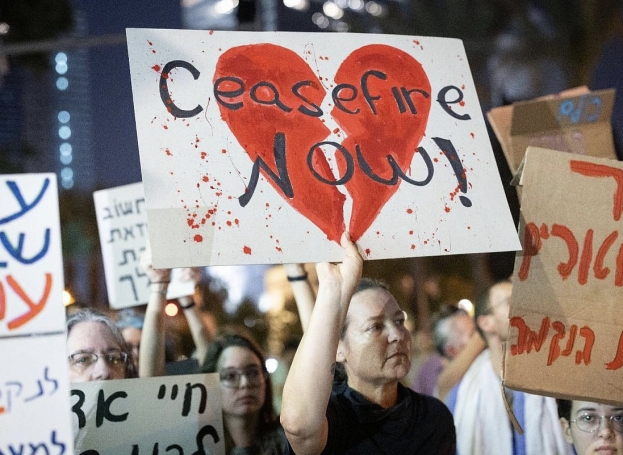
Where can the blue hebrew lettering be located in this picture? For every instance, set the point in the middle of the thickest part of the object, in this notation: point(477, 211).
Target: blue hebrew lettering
point(17, 252)
point(25, 207)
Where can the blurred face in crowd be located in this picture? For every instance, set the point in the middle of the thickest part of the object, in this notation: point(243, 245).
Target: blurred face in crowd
point(499, 304)
point(243, 382)
point(132, 336)
point(594, 429)
point(376, 346)
point(462, 327)
point(94, 354)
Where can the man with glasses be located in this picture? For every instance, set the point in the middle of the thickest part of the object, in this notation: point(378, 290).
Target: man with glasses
point(96, 349)
point(592, 428)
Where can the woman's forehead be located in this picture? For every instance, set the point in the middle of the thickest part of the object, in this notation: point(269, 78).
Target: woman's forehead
point(587, 406)
point(371, 303)
point(237, 356)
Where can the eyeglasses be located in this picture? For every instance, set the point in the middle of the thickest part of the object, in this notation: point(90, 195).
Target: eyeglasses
point(85, 360)
point(590, 422)
point(230, 377)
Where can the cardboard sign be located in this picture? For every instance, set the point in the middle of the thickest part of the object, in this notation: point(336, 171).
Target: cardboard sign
point(577, 121)
point(34, 383)
point(148, 416)
point(566, 326)
point(265, 147)
point(122, 225)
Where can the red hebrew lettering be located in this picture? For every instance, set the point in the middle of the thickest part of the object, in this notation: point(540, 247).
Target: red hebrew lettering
point(531, 246)
point(600, 271)
point(587, 257)
point(617, 362)
point(554, 347)
point(34, 308)
point(569, 348)
point(527, 339)
point(520, 324)
point(558, 230)
point(2, 302)
point(600, 170)
point(536, 341)
point(585, 354)
point(618, 277)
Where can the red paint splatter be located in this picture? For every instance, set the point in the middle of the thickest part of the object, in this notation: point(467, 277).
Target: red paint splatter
point(228, 223)
point(410, 232)
point(198, 238)
point(367, 251)
point(412, 247)
point(156, 68)
point(462, 103)
point(211, 32)
point(447, 209)
point(246, 250)
point(469, 227)
point(409, 211)
point(237, 222)
point(203, 155)
point(205, 178)
point(472, 135)
point(168, 152)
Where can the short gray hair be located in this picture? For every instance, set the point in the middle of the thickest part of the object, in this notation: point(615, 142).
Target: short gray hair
point(89, 315)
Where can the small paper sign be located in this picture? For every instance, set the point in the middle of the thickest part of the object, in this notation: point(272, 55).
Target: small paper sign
point(122, 224)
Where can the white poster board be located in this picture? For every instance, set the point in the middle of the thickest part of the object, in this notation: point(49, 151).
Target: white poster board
point(122, 225)
point(265, 147)
point(34, 382)
point(154, 415)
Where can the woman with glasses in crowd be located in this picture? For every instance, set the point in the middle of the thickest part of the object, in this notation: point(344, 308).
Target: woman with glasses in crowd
point(249, 419)
point(592, 428)
point(96, 349)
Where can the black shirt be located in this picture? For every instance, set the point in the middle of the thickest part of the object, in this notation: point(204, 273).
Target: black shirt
point(418, 424)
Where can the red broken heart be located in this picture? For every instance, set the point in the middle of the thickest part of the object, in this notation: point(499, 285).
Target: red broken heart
point(382, 108)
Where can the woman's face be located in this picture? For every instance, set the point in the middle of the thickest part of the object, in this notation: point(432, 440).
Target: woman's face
point(94, 354)
point(605, 440)
point(242, 381)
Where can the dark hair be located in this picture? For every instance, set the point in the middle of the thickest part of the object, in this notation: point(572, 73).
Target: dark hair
point(564, 408)
point(89, 315)
point(268, 416)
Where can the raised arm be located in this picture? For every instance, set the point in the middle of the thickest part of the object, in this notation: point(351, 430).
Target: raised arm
point(456, 368)
point(152, 352)
point(308, 386)
point(303, 293)
point(198, 328)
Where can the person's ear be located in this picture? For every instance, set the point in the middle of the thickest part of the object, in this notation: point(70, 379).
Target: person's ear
point(485, 323)
point(566, 430)
point(339, 355)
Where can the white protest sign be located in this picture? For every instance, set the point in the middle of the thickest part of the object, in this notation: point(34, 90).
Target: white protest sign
point(34, 382)
point(122, 225)
point(34, 391)
point(265, 147)
point(145, 416)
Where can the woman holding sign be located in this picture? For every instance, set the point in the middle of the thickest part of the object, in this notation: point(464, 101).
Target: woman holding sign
point(359, 324)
